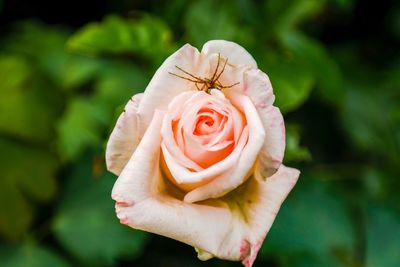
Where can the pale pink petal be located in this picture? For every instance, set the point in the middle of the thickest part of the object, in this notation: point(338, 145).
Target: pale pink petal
point(136, 179)
point(187, 179)
point(231, 228)
point(164, 86)
point(174, 111)
point(235, 53)
point(272, 152)
point(209, 228)
point(257, 86)
point(257, 203)
point(124, 137)
point(239, 173)
point(183, 150)
point(238, 197)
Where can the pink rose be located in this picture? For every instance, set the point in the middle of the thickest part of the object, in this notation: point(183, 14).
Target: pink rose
point(199, 153)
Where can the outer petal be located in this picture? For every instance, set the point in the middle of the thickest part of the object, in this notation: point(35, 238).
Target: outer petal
point(271, 155)
point(257, 86)
point(136, 180)
point(229, 181)
point(143, 204)
point(163, 87)
point(232, 228)
point(124, 138)
point(257, 203)
point(235, 53)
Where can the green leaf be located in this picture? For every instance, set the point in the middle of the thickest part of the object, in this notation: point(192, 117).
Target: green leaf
point(29, 255)
point(86, 223)
point(292, 82)
point(119, 81)
point(307, 260)
point(285, 15)
point(86, 119)
point(370, 119)
point(79, 70)
point(81, 127)
point(383, 237)
point(41, 45)
point(293, 151)
point(312, 220)
point(28, 108)
point(200, 28)
point(329, 80)
point(148, 37)
point(27, 174)
point(207, 20)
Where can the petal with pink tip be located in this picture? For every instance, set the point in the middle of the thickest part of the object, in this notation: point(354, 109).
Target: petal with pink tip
point(231, 228)
point(272, 152)
point(257, 203)
point(257, 86)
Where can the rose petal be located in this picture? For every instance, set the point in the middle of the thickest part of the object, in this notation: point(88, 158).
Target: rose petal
point(272, 152)
point(170, 144)
point(232, 228)
point(142, 205)
point(257, 203)
point(234, 225)
point(124, 138)
point(209, 228)
point(189, 179)
point(135, 181)
point(235, 53)
point(164, 86)
point(181, 153)
point(258, 87)
point(239, 173)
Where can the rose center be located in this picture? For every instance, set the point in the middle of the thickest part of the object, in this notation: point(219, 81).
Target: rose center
point(207, 124)
point(205, 127)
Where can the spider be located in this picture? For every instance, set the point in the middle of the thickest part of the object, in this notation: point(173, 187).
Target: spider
point(207, 84)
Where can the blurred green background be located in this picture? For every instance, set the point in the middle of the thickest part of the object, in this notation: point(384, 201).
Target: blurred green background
point(68, 67)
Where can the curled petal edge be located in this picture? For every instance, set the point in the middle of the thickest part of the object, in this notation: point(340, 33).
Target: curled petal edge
point(124, 137)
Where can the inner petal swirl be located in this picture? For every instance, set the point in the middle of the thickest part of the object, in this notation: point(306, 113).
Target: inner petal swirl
point(201, 130)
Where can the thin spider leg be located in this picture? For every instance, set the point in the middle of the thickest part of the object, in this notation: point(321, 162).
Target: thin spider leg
point(202, 88)
point(229, 86)
point(223, 69)
point(218, 84)
point(216, 69)
point(207, 80)
point(185, 78)
point(197, 86)
point(188, 73)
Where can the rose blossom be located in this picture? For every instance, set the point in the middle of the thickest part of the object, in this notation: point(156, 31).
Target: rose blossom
point(199, 153)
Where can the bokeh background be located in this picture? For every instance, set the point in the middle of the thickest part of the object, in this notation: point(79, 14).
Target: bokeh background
point(68, 67)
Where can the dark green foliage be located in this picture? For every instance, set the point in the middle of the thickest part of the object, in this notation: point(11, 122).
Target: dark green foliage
point(313, 221)
point(85, 223)
point(336, 79)
point(27, 175)
point(30, 255)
